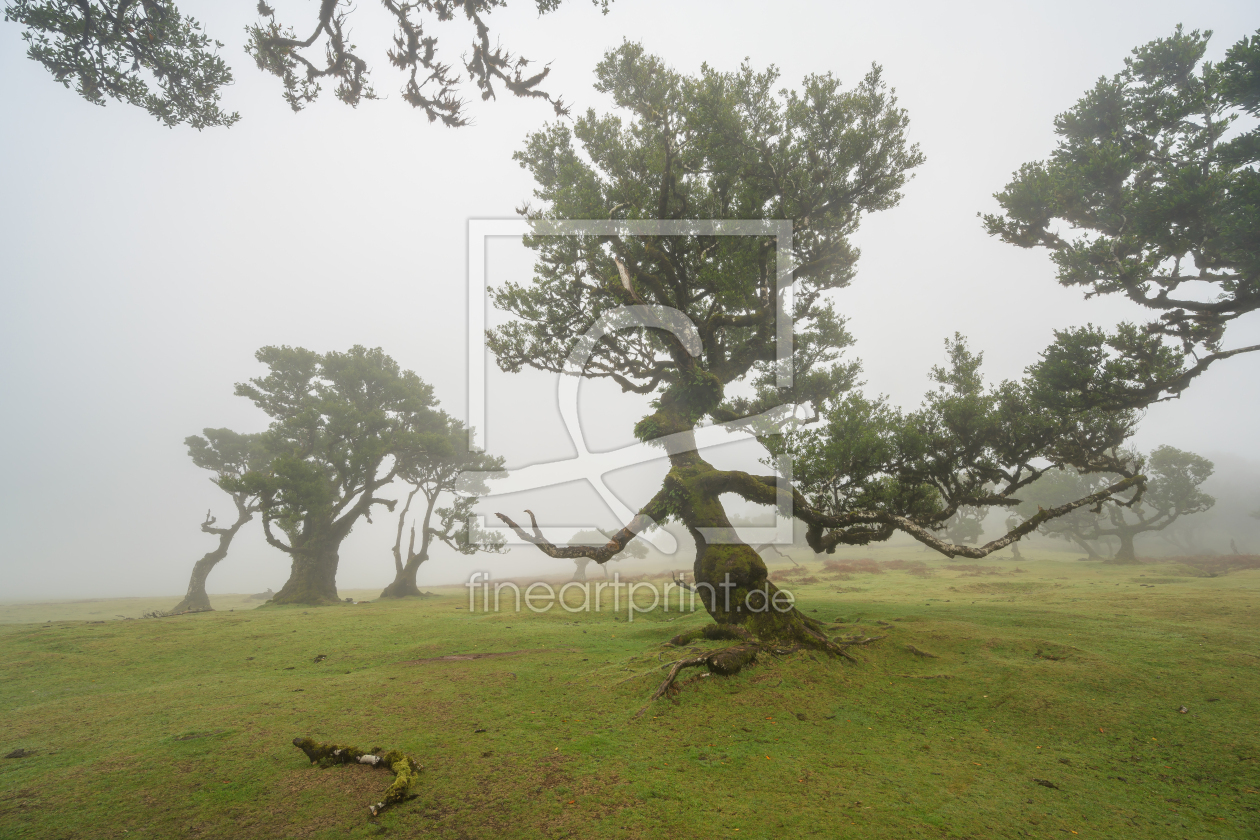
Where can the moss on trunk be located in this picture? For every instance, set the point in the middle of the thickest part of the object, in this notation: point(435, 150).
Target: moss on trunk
point(405, 768)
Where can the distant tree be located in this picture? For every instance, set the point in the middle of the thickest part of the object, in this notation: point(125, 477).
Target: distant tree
point(339, 424)
point(229, 455)
point(1172, 491)
point(433, 466)
point(1165, 201)
point(634, 548)
point(144, 52)
point(1013, 521)
point(1077, 527)
point(966, 526)
point(721, 146)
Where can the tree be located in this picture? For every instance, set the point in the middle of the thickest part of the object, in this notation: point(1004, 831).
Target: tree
point(966, 525)
point(433, 466)
point(339, 424)
point(1172, 492)
point(684, 317)
point(229, 455)
point(634, 548)
point(144, 52)
point(1165, 206)
point(1076, 527)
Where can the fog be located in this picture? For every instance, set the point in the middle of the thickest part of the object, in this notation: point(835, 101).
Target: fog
point(141, 267)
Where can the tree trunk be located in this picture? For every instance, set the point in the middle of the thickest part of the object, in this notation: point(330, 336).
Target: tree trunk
point(730, 577)
point(1125, 555)
point(404, 585)
point(313, 574)
point(196, 600)
point(1090, 552)
point(579, 569)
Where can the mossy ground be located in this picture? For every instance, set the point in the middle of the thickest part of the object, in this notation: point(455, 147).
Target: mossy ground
point(181, 727)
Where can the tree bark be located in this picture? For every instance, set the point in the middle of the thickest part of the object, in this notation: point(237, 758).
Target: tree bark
point(1125, 555)
point(1090, 552)
point(730, 577)
point(404, 585)
point(313, 574)
point(579, 569)
point(196, 599)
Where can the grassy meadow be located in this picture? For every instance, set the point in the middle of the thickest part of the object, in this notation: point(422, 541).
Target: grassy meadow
point(1049, 705)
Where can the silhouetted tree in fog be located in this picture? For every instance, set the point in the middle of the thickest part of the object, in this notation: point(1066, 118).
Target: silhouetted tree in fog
point(229, 456)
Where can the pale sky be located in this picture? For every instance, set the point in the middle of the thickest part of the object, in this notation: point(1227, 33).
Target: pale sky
point(141, 267)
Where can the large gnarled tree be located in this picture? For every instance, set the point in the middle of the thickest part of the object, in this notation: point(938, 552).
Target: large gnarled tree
point(722, 146)
point(229, 455)
point(340, 423)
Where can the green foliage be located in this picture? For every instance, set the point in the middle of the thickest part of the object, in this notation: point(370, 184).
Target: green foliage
point(1162, 202)
point(102, 47)
point(142, 52)
point(228, 454)
point(969, 448)
point(438, 463)
point(712, 146)
point(1173, 490)
point(340, 425)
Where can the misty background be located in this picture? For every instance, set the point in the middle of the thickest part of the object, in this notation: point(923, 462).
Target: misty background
point(141, 267)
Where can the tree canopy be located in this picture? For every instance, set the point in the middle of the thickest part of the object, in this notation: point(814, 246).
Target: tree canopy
point(723, 146)
point(340, 425)
point(145, 53)
point(1162, 191)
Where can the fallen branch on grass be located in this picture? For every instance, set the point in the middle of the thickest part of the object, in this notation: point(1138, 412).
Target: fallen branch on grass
point(405, 768)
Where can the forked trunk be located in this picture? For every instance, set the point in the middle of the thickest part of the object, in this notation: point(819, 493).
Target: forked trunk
point(730, 577)
point(404, 585)
point(196, 600)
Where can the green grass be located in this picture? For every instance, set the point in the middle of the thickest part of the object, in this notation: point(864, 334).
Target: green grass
point(180, 727)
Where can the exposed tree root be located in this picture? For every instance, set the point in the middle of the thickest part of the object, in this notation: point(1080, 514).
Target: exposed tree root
point(405, 768)
point(731, 660)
